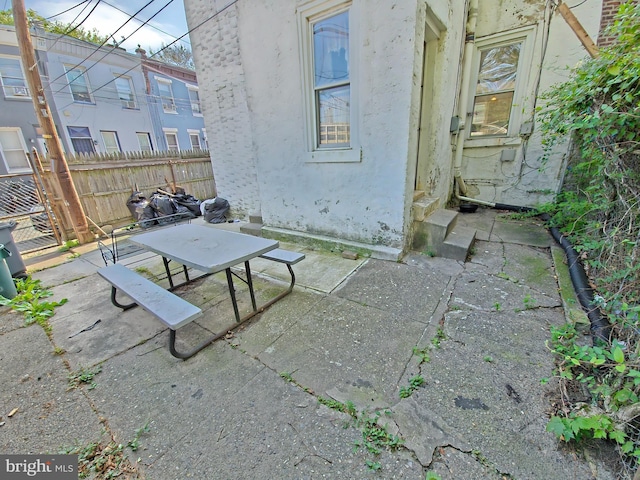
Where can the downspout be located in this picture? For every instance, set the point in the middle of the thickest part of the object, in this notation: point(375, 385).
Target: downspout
point(463, 115)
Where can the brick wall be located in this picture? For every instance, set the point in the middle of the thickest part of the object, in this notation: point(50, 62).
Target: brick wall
point(223, 95)
point(609, 9)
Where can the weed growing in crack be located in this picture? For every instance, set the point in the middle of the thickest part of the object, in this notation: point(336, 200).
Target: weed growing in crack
point(29, 302)
point(529, 302)
point(106, 461)
point(375, 438)
point(348, 407)
point(497, 306)
point(432, 476)
point(414, 383)
point(435, 341)
point(84, 375)
point(422, 354)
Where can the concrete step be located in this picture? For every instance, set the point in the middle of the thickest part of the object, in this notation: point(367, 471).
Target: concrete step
point(423, 207)
point(438, 234)
point(458, 243)
point(254, 229)
point(439, 224)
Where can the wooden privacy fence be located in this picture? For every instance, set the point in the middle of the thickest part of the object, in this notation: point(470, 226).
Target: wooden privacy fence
point(105, 181)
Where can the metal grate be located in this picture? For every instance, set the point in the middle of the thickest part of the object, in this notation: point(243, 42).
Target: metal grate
point(20, 204)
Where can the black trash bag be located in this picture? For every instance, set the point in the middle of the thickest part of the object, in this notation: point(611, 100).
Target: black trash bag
point(216, 211)
point(189, 201)
point(167, 210)
point(141, 210)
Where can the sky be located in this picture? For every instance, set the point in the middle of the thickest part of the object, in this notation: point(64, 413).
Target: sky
point(110, 15)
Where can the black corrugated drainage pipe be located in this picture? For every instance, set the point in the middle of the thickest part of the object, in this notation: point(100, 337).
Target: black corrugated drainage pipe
point(600, 327)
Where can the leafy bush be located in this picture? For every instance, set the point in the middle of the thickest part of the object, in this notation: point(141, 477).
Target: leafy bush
point(599, 210)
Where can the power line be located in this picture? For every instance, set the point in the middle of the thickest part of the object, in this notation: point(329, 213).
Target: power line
point(152, 26)
point(69, 9)
point(172, 43)
point(103, 43)
point(79, 24)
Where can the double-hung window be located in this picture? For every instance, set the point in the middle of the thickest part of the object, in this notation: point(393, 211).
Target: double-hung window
point(144, 140)
point(501, 62)
point(194, 97)
point(12, 78)
point(79, 84)
point(124, 87)
point(81, 140)
point(326, 29)
point(166, 95)
point(111, 142)
point(13, 150)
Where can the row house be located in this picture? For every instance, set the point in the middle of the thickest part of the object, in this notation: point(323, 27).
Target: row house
point(329, 118)
point(103, 100)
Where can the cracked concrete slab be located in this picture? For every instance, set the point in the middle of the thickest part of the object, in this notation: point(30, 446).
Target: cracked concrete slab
point(248, 406)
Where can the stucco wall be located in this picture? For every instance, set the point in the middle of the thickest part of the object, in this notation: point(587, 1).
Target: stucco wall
point(526, 180)
point(255, 120)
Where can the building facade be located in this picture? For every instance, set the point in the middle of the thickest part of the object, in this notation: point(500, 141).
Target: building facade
point(328, 117)
point(104, 100)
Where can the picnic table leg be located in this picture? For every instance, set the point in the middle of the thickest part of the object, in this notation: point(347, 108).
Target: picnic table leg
point(168, 270)
point(232, 292)
point(118, 304)
point(247, 270)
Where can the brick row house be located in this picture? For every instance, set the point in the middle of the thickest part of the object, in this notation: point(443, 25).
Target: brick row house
point(342, 119)
point(103, 100)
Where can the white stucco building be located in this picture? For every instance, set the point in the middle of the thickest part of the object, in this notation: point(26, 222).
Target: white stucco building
point(328, 118)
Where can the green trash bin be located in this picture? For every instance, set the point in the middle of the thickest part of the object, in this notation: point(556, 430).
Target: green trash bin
point(7, 287)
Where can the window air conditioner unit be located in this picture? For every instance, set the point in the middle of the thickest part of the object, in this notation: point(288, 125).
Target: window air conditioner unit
point(20, 91)
point(129, 104)
point(195, 107)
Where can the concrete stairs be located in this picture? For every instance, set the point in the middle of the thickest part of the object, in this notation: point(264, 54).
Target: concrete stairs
point(254, 227)
point(436, 232)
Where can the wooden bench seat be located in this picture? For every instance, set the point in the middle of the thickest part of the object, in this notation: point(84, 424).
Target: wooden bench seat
point(167, 307)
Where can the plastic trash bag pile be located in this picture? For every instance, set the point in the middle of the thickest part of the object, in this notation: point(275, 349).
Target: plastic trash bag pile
point(162, 207)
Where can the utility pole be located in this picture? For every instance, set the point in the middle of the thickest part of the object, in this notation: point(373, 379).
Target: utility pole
point(58, 161)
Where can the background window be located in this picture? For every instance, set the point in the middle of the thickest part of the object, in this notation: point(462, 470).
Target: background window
point(166, 96)
point(495, 90)
point(12, 78)
point(76, 77)
point(331, 80)
point(111, 143)
point(81, 140)
point(13, 150)
point(172, 142)
point(144, 139)
point(125, 92)
point(194, 97)
point(195, 141)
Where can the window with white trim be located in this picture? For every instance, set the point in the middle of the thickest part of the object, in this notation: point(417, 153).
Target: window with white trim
point(78, 84)
point(171, 136)
point(166, 95)
point(12, 78)
point(124, 87)
point(327, 52)
point(194, 98)
point(111, 143)
point(144, 140)
point(501, 61)
point(13, 150)
point(81, 140)
point(194, 138)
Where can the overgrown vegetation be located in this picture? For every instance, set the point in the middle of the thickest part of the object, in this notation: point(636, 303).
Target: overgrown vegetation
point(105, 461)
point(599, 210)
point(30, 303)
